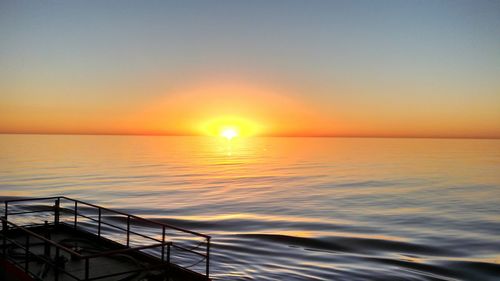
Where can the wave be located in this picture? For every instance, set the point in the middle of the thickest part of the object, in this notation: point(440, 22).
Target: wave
point(358, 258)
point(355, 244)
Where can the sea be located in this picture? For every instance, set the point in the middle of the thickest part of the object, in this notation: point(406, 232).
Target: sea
point(288, 209)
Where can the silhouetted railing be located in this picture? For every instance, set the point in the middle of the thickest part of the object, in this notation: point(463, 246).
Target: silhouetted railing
point(81, 211)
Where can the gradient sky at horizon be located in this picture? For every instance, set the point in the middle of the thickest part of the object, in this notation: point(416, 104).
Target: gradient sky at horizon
point(347, 68)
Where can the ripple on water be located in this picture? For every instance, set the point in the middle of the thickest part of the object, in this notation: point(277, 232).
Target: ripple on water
point(289, 208)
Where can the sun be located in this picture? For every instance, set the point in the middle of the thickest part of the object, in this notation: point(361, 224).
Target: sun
point(229, 133)
point(229, 127)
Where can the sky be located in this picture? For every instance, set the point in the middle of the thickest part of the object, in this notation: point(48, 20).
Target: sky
point(266, 67)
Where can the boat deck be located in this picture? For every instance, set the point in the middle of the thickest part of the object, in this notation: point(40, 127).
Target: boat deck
point(85, 245)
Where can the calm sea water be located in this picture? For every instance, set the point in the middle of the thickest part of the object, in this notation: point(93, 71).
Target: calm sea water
point(289, 208)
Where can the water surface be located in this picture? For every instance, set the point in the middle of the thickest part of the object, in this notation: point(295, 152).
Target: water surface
point(289, 208)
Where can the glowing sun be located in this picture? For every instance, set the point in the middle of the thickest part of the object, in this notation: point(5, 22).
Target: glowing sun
point(229, 127)
point(229, 133)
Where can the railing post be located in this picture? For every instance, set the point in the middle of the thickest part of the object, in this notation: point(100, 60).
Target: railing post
point(87, 269)
point(128, 230)
point(6, 216)
point(76, 214)
point(56, 212)
point(99, 224)
point(208, 258)
point(27, 254)
point(168, 254)
point(4, 238)
point(57, 261)
point(46, 245)
point(163, 244)
point(4, 226)
point(168, 260)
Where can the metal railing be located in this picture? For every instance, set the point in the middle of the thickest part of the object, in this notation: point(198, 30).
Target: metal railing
point(82, 219)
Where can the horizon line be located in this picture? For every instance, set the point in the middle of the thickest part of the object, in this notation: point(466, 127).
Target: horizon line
point(270, 135)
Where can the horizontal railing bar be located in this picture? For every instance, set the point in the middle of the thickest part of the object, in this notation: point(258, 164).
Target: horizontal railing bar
point(30, 212)
point(110, 210)
point(87, 217)
point(130, 231)
point(95, 220)
point(15, 242)
point(120, 228)
point(31, 199)
point(117, 227)
point(102, 222)
point(136, 217)
point(189, 250)
point(102, 254)
point(104, 208)
point(131, 248)
point(41, 238)
point(34, 224)
point(170, 226)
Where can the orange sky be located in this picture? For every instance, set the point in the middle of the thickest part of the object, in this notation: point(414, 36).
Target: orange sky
point(318, 68)
point(257, 109)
